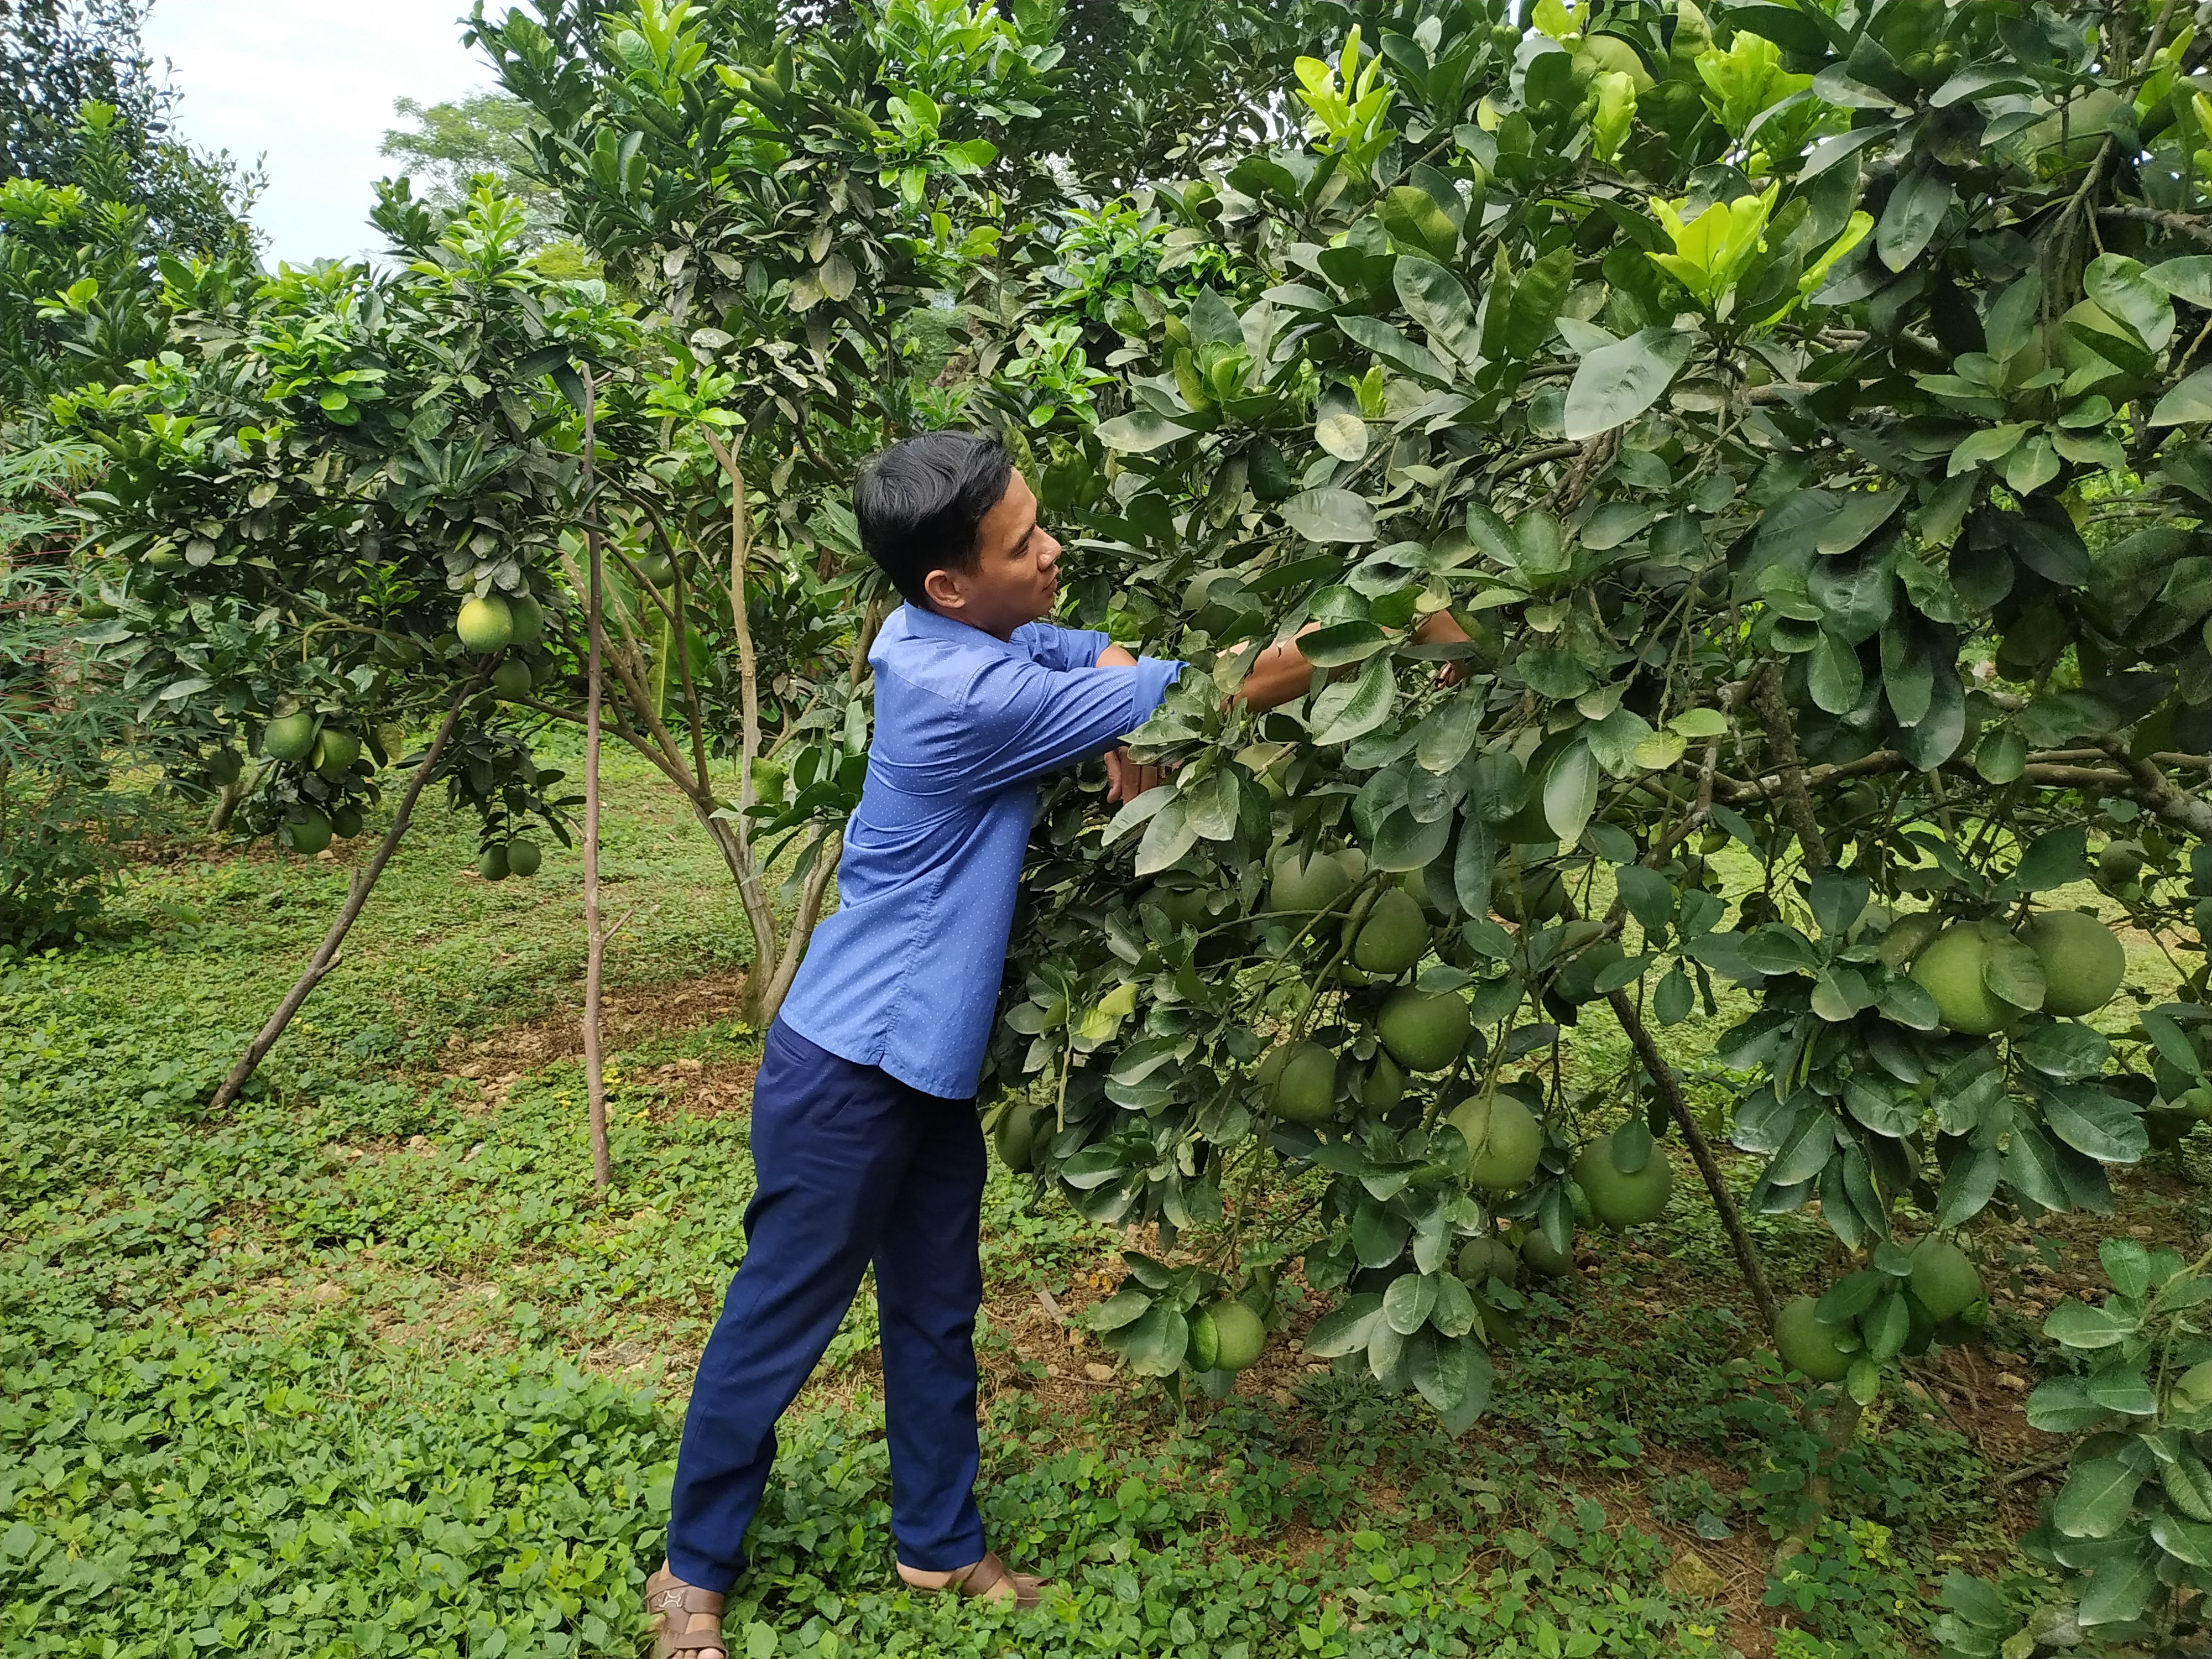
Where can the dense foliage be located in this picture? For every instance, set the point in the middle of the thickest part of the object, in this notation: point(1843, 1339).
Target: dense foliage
point(1800, 411)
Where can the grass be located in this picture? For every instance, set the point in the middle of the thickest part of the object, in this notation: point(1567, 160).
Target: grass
point(364, 1367)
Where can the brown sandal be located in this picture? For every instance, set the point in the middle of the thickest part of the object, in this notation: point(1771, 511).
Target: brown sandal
point(989, 1580)
point(684, 1619)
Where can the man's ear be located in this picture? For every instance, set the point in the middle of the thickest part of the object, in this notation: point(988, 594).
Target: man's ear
point(943, 589)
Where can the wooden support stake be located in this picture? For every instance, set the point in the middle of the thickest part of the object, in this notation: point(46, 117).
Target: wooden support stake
point(595, 939)
point(357, 891)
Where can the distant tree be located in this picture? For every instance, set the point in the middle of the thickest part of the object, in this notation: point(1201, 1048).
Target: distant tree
point(57, 57)
point(451, 144)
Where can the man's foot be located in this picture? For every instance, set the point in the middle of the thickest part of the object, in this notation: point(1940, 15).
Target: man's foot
point(685, 1621)
point(989, 1580)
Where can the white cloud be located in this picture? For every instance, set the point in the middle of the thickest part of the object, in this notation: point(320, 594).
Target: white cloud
point(307, 86)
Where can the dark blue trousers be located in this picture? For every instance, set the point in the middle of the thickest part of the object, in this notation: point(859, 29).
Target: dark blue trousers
point(853, 1167)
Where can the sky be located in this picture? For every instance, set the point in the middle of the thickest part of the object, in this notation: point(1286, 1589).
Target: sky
point(306, 86)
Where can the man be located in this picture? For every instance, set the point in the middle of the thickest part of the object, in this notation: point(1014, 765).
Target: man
point(864, 1136)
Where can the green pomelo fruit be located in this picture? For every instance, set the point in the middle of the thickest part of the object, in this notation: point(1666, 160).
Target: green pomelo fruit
point(1601, 54)
point(512, 678)
point(345, 821)
point(1487, 1257)
point(289, 736)
point(2118, 863)
point(1205, 1342)
point(491, 863)
point(1384, 1086)
point(1577, 981)
point(1424, 1030)
point(1623, 1201)
point(2196, 1102)
point(1950, 970)
point(224, 766)
point(2192, 1389)
point(1943, 1278)
point(309, 833)
point(2071, 138)
point(2083, 961)
point(529, 619)
point(336, 751)
point(523, 858)
point(1520, 894)
point(1305, 1088)
point(1537, 1252)
point(1394, 937)
point(1503, 1140)
point(1016, 1136)
point(1183, 906)
point(486, 623)
point(1238, 1336)
point(1807, 1344)
point(658, 568)
point(1303, 888)
point(1907, 936)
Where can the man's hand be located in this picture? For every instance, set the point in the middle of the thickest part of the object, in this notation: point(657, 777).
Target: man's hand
point(1126, 780)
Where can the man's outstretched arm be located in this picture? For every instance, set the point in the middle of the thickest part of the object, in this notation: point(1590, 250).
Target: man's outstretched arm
point(1281, 674)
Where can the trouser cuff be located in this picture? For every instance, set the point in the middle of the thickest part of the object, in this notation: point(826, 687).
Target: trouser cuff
point(715, 1575)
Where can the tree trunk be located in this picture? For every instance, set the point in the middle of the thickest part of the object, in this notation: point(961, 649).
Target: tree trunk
point(357, 891)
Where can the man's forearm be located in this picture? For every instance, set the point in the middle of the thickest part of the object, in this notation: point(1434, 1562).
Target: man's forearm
point(1281, 673)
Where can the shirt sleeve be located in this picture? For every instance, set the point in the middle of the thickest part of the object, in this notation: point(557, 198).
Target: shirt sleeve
point(1025, 720)
point(1063, 648)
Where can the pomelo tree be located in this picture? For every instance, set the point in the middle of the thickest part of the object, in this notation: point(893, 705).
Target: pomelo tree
point(1804, 413)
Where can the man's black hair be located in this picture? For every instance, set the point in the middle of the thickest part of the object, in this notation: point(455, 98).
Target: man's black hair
point(920, 504)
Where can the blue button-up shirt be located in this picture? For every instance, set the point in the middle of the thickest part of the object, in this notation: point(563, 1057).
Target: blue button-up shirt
point(905, 974)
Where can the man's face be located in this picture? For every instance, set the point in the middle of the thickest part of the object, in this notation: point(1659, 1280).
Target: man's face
point(1017, 575)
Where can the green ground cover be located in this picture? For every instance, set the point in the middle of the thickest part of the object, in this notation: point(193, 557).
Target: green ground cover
point(364, 1367)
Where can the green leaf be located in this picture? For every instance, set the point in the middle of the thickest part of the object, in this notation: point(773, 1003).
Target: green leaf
point(2188, 403)
point(1345, 1329)
point(1391, 345)
point(1863, 1381)
point(1535, 308)
point(2056, 858)
point(1327, 515)
point(2127, 1264)
point(2010, 969)
point(1154, 1345)
point(1339, 428)
point(2063, 1406)
point(2185, 1540)
point(1834, 676)
point(2188, 1485)
point(1463, 1362)
point(1647, 896)
point(2120, 1589)
point(1167, 838)
point(1616, 383)
point(1885, 1325)
point(1909, 222)
point(2098, 1496)
point(1351, 708)
point(1407, 1302)
point(1850, 1297)
point(1342, 643)
point(2122, 1390)
point(1140, 431)
point(2080, 1326)
point(1437, 300)
point(1570, 791)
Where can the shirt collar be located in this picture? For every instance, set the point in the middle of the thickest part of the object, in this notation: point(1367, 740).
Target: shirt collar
point(913, 621)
